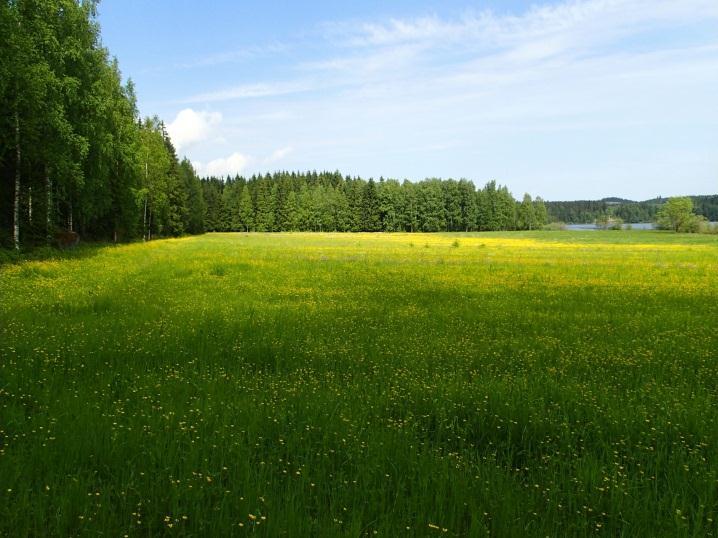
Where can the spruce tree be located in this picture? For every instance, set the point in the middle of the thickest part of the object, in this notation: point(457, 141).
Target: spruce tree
point(246, 210)
point(371, 216)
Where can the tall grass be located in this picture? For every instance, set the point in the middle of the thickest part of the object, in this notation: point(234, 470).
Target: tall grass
point(533, 384)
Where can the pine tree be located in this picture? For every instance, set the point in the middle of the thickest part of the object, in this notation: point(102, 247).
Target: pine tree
point(340, 207)
point(212, 194)
point(264, 217)
point(370, 215)
point(246, 211)
point(291, 213)
point(195, 200)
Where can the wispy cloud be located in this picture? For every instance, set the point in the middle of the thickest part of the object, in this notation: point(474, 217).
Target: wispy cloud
point(234, 56)
point(249, 91)
point(611, 17)
point(278, 154)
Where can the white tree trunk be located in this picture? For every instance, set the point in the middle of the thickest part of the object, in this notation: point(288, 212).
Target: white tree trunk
point(144, 220)
point(48, 213)
point(16, 204)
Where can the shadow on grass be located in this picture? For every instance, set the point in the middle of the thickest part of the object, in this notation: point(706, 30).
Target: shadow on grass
point(81, 251)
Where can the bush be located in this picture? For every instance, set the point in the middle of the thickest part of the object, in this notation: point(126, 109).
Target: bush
point(677, 215)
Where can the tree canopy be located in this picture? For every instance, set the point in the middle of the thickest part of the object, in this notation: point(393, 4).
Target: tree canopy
point(328, 201)
point(677, 215)
point(74, 153)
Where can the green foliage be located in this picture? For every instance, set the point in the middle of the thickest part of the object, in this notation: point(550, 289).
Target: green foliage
point(540, 211)
point(196, 206)
point(327, 201)
point(370, 213)
point(677, 215)
point(71, 133)
point(246, 210)
point(605, 221)
point(496, 208)
point(265, 210)
point(431, 206)
point(527, 219)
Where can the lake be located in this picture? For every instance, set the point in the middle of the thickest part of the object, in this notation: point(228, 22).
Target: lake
point(634, 226)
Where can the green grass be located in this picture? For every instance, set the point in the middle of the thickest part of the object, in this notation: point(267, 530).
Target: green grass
point(518, 384)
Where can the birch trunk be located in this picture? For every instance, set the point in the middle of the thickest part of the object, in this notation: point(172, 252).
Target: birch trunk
point(144, 219)
point(48, 215)
point(16, 204)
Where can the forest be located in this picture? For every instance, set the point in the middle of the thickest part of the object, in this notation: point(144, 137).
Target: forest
point(74, 153)
point(76, 156)
point(328, 201)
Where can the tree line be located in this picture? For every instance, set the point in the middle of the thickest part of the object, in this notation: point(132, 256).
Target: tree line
point(74, 153)
point(590, 211)
point(328, 201)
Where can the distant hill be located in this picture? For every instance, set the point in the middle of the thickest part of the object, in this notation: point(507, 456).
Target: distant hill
point(617, 201)
point(586, 211)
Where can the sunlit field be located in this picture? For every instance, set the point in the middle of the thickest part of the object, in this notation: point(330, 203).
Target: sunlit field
point(518, 384)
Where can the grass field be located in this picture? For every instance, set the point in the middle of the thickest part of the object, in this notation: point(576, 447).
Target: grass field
point(518, 384)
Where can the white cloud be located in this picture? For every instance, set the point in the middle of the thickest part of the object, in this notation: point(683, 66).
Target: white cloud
point(611, 16)
point(278, 154)
point(247, 91)
point(190, 127)
point(233, 56)
point(234, 164)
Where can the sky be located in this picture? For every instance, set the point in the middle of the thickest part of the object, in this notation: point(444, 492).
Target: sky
point(571, 99)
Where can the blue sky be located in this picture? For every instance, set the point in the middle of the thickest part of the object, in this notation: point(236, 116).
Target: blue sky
point(567, 99)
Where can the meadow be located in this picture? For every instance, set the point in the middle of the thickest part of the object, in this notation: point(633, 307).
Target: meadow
point(504, 384)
